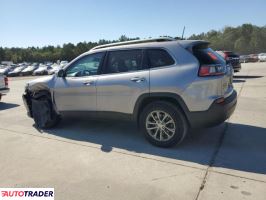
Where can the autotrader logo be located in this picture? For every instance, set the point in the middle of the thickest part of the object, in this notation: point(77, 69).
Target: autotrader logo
point(27, 193)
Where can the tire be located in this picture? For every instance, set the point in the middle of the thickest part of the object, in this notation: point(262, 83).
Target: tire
point(43, 113)
point(167, 134)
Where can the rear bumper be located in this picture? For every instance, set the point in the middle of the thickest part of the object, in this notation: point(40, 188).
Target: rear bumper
point(4, 90)
point(216, 114)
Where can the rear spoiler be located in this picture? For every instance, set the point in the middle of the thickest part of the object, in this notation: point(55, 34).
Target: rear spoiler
point(192, 44)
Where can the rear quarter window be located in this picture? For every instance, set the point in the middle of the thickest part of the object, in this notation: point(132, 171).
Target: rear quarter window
point(159, 58)
point(206, 56)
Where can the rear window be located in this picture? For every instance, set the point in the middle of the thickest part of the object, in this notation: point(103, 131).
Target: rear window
point(159, 58)
point(207, 56)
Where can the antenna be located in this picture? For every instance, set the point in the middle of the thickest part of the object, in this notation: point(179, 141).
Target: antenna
point(183, 33)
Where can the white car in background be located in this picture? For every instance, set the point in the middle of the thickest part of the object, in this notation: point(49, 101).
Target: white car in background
point(55, 68)
point(262, 57)
point(29, 70)
point(42, 70)
point(63, 63)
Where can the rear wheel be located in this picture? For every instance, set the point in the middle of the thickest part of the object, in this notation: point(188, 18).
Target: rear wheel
point(163, 124)
point(43, 113)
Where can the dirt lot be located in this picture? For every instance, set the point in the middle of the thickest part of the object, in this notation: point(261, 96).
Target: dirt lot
point(85, 159)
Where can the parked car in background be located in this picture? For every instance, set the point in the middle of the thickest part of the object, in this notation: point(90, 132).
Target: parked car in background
point(253, 58)
point(3, 86)
point(16, 72)
point(29, 70)
point(167, 86)
point(262, 57)
point(63, 63)
point(231, 58)
point(243, 58)
point(55, 68)
point(4, 70)
point(42, 70)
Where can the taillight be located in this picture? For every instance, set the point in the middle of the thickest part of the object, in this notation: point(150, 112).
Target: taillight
point(6, 81)
point(212, 70)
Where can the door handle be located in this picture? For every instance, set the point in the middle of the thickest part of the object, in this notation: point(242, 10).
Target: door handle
point(138, 79)
point(88, 83)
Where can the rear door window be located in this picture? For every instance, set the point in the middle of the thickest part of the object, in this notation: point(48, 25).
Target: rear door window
point(206, 56)
point(159, 58)
point(124, 61)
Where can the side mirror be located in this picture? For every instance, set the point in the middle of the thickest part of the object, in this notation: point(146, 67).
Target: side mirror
point(61, 73)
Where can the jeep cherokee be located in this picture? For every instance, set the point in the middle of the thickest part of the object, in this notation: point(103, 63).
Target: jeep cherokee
point(167, 86)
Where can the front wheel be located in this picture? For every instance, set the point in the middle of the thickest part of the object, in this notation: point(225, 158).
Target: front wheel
point(163, 124)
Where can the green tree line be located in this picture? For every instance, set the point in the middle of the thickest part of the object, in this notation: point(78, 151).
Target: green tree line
point(52, 53)
point(245, 39)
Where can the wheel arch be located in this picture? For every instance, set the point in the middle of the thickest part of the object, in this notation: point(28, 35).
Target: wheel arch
point(146, 99)
point(44, 92)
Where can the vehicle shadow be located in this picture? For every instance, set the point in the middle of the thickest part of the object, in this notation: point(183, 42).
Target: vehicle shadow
point(5, 106)
point(238, 81)
point(247, 76)
point(243, 147)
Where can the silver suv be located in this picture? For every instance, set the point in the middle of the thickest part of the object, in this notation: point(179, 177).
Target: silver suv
point(166, 86)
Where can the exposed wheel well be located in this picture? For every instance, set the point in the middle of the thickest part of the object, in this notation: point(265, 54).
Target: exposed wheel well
point(42, 93)
point(36, 95)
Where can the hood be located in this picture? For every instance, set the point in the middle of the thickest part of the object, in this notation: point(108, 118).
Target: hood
point(55, 69)
point(18, 69)
point(30, 68)
point(40, 69)
point(44, 83)
point(3, 70)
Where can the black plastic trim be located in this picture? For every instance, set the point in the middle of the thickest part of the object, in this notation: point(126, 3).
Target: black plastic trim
point(216, 114)
point(98, 115)
point(4, 89)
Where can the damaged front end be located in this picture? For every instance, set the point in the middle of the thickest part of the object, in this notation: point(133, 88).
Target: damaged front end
point(35, 89)
point(39, 104)
point(31, 98)
point(27, 98)
point(39, 107)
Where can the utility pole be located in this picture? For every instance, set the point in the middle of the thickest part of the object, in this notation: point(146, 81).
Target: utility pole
point(183, 33)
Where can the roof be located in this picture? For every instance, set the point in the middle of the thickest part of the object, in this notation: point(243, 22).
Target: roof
point(161, 39)
point(155, 42)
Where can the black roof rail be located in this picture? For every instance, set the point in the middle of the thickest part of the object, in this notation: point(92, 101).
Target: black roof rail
point(160, 39)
